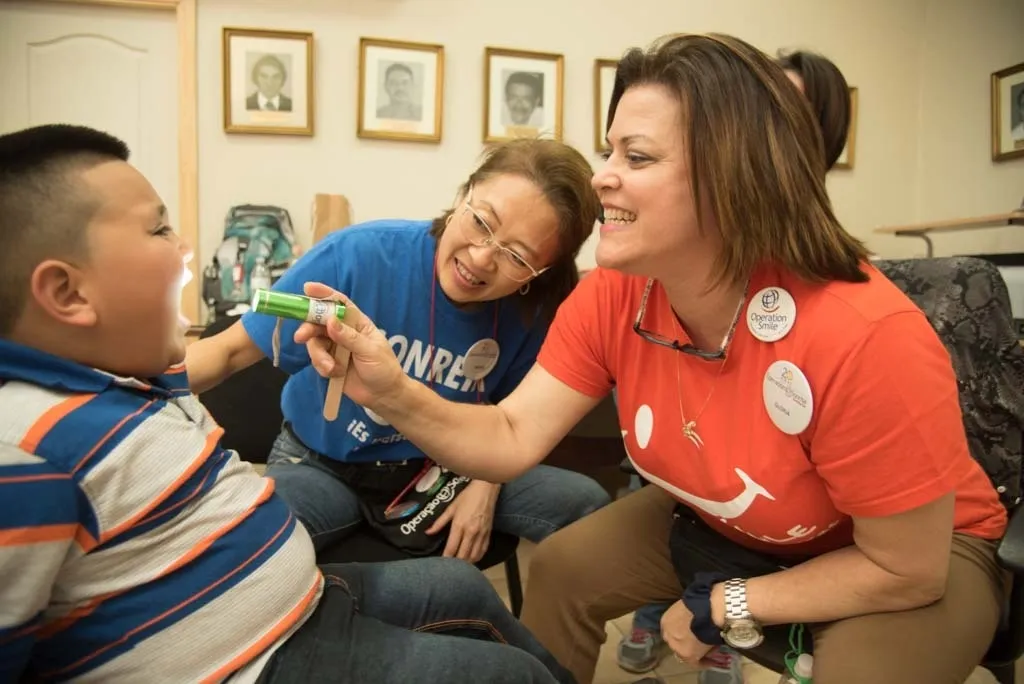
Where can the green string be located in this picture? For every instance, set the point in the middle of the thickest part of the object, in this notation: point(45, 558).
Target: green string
point(796, 647)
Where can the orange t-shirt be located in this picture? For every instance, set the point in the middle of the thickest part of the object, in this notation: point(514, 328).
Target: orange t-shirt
point(885, 434)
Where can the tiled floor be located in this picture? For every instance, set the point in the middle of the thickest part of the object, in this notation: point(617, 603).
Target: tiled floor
point(670, 671)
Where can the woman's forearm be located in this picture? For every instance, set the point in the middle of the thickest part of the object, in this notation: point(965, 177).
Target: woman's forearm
point(837, 585)
point(474, 440)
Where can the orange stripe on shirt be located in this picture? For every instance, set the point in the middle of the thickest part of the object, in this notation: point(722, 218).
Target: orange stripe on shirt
point(43, 425)
point(88, 608)
point(211, 444)
point(110, 433)
point(14, 479)
point(270, 637)
point(20, 536)
point(148, 623)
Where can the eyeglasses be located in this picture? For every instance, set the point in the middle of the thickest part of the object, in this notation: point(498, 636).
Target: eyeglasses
point(479, 233)
point(675, 344)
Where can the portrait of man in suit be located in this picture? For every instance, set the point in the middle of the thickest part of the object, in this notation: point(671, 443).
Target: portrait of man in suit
point(269, 75)
point(403, 90)
point(524, 99)
point(1017, 114)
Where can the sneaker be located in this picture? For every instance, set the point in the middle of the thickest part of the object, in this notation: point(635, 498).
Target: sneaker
point(640, 652)
point(726, 667)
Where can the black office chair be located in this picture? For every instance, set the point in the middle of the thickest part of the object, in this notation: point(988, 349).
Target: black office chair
point(967, 303)
point(248, 407)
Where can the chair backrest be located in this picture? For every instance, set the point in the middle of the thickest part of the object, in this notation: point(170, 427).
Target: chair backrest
point(247, 405)
point(967, 303)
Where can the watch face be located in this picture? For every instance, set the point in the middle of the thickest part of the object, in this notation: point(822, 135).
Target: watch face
point(743, 634)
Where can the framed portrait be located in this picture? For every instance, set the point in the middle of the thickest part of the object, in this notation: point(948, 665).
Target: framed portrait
point(1008, 113)
point(848, 155)
point(401, 90)
point(522, 94)
point(604, 81)
point(268, 81)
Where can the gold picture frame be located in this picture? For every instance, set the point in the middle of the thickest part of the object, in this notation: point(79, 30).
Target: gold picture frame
point(604, 80)
point(523, 94)
point(848, 157)
point(262, 94)
point(396, 78)
point(1008, 113)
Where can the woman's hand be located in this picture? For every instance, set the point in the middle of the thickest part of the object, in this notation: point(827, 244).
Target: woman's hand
point(373, 371)
point(675, 630)
point(471, 516)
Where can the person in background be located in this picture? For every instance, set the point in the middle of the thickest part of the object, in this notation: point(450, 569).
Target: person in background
point(482, 280)
point(825, 88)
point(133, 547)
point(796, 415)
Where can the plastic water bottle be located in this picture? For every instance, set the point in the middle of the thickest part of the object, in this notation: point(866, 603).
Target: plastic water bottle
point(801, 668)
point(727, 667)
point(259, 279)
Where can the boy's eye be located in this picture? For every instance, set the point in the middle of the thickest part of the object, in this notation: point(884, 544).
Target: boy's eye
point(163, 230)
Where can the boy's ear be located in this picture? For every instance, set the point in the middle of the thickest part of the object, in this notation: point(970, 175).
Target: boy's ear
point(60, 290)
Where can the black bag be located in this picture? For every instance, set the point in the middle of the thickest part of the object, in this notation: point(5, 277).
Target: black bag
point(403, 520)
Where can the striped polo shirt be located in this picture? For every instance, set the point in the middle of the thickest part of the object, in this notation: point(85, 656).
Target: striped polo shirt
point(133, 548)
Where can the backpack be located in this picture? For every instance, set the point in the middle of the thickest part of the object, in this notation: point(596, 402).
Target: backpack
point(966, 301)
point(258, 247)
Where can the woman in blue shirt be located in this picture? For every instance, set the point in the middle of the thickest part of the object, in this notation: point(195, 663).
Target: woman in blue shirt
point(481, 281)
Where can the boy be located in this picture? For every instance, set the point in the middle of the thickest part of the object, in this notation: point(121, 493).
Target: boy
point(132, 546)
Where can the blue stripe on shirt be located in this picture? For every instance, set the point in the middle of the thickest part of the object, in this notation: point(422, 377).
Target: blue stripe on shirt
point(162, 602)
point(77, 434)
point(38, 502)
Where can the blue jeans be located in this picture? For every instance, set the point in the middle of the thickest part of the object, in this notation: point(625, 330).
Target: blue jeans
point(533, 506)
point(422, 620)
point(648, 618)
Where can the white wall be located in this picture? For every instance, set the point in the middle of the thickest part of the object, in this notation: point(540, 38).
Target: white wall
point(956, 177)
point(897, 53)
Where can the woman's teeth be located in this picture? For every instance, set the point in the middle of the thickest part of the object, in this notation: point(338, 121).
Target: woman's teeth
point(618, 216)
point(467, 275)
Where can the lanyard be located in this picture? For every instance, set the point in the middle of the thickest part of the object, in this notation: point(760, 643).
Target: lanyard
point(427, 464)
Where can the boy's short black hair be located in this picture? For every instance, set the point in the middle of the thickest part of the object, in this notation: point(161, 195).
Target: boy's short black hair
point(44, 208)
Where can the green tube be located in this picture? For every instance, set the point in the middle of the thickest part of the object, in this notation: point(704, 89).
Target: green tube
point(298, 307)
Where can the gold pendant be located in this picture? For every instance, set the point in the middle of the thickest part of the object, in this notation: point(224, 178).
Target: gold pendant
point(690, 430)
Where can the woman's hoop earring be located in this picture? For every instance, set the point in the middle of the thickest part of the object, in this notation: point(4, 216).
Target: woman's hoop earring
point(449, 219)
point(524, 289)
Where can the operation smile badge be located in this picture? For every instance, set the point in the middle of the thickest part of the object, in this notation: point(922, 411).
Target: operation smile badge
point(771, 314)
point(481, 359)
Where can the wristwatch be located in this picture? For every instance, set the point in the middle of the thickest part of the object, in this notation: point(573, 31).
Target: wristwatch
point(741, 630)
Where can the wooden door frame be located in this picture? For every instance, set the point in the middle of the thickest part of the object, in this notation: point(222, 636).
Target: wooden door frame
point(188, 132)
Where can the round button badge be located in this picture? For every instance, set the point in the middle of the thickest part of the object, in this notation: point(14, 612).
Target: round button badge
point(787, 397)
point(480, 359)
point(771, 314)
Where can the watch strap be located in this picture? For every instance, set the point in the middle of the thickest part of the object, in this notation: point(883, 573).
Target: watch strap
point(736, 608)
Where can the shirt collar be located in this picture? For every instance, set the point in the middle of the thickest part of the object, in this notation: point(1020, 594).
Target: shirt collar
point(26, 364)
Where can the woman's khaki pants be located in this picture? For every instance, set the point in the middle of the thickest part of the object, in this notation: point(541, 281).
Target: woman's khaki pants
point(617, 559)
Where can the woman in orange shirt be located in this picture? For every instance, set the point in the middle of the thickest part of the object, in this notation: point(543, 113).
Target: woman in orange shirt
point(794, 411)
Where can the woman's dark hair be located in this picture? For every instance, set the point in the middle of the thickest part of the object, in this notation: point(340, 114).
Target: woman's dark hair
point(826, 89)
point(563, 176)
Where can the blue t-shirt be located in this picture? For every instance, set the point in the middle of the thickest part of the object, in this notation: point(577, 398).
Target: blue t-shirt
point(386, 268)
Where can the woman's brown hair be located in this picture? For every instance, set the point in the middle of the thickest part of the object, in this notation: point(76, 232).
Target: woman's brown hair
point(563, 176)
point(755, 155)
point(829, 94)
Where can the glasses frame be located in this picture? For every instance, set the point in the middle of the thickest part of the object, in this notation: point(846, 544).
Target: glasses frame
point(492, 241)
point(687, 348)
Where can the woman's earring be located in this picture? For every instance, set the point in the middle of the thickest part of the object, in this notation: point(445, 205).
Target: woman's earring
point(524, 289)
point(449, 219)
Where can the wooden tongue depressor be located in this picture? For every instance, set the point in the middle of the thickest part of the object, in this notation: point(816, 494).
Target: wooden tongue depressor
point(336, 385)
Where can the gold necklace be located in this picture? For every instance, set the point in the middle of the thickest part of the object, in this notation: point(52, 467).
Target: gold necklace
point(690, 426)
